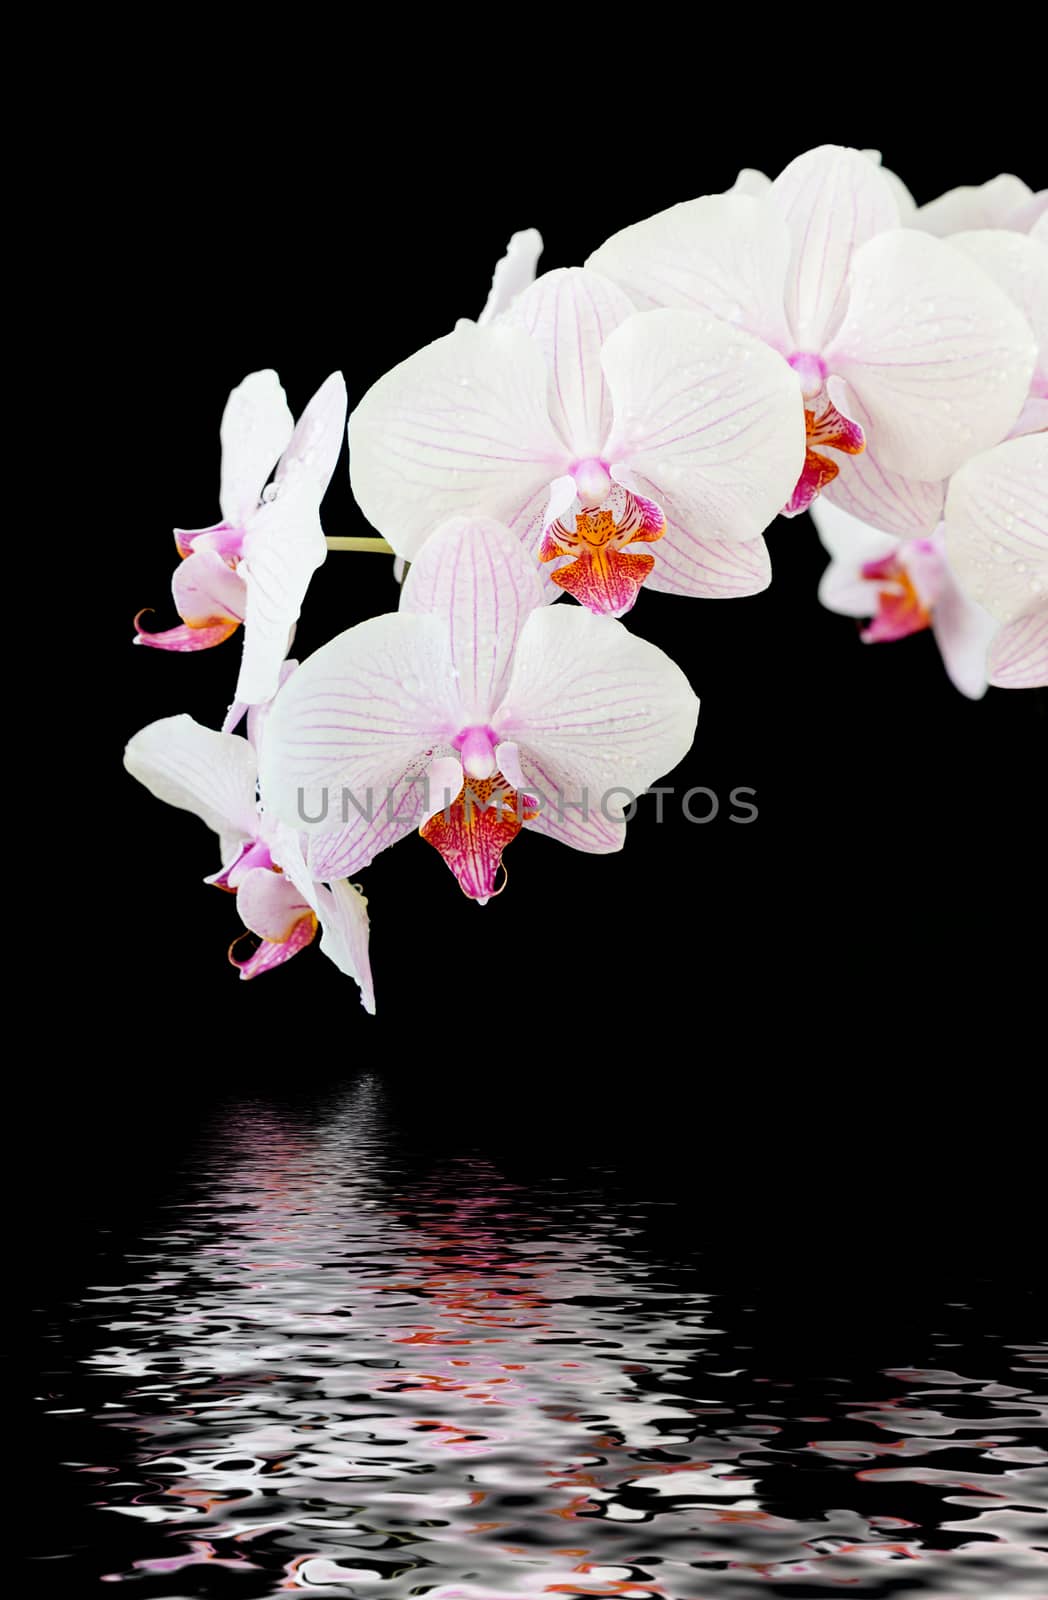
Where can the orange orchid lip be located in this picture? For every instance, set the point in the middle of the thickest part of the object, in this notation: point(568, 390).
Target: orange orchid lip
point(603, 576)
point(826, 428)
point(473, 831)
point(900, 610)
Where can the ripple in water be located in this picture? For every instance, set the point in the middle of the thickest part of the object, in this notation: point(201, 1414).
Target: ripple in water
point(321, 1378)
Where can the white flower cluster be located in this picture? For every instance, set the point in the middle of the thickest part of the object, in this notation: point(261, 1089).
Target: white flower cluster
point(816, 342)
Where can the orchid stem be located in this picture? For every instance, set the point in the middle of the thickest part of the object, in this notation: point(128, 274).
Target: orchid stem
point(376, 546)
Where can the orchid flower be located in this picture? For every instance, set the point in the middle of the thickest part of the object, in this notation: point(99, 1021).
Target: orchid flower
point(475, 710)
point(997, 544)
point(901, 344)
point(214, 776)
point(752, 182)
point(911, 508)
point(904, 586)
point(254, 566)
point(1005, 202)
point(585, 429)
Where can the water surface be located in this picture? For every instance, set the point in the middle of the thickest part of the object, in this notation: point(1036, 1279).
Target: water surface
point(323, 1369)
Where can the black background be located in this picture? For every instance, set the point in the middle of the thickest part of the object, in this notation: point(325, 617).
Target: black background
point(850, 980)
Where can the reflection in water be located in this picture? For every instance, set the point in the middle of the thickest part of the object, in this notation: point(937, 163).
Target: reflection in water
point(471, 1391)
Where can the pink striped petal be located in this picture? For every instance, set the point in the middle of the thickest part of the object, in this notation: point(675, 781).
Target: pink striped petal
point(256, 426)
point(591, 708)
point(997, 527)
point(867, 491)
point(905, 507)
point(512, 274)
point(474, 575)
point(709, 423)
point(355, 716)
point(569, 314)
point(726, 255)
point(196, 769)
point(709, 569)
point(369, 821)
point(1019, 653)
point(833, 200)
point(937, 356)
point(460, 428)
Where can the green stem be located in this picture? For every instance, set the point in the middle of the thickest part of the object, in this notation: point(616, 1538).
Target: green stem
point(376, 546)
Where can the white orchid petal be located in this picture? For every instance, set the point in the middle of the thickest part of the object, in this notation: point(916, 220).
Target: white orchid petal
point(569, 313)
point(196, 769)
point(1019, 654)
point(963, 631)
point(1018, 264)
point(284, 542)
point(833, 200)
point(256, 426)
point(709, 418)
point(997, 527)
point(561, 816)
point(370, 821)
point(864, 487)
point(1030, 215)
point(281, 553)
point(723, 254)
point(354, 717)
point(750, 181)
point(986, 205)
point(595, 709)
point(934, 351)
point(512, 274)
point(709, 569)
point(474, 575)
point(305, 468)
point(904, 200)
point(344, 934)
point(460, 428)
